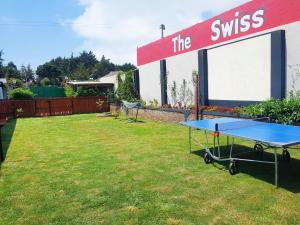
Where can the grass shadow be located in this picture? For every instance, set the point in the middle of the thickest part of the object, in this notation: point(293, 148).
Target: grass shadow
point(6, 136)
point(130, 120)
point(288, 172)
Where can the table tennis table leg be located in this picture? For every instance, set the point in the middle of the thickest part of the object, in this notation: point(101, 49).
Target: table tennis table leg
point(276, 167)
point(218, 143)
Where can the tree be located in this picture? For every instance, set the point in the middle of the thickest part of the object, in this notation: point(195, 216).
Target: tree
point(103, 67)
point(1, 59)
point(2, 75)
point(11, 71)
point(83, 67)
point(45, 82)
point(126, 67)
point(126, 90)
point(27, 74)
point(13, 83)
point(81, 73)
point(87, 59)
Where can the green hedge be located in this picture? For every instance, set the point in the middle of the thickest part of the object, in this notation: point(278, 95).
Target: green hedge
point(286, 111)
point(20, 93)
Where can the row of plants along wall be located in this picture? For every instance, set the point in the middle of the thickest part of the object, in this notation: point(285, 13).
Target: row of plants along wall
point(285, 111)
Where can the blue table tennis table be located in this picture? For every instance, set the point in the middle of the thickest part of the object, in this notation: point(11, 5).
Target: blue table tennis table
point(264, 135)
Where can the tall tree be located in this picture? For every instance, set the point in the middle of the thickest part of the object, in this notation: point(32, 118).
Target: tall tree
point(126, 67)
point(27, 74)
point(11, 71)
point(87, 59)
point(1, 59)
point(2, 74)
point(103, 67)
point(83, 67)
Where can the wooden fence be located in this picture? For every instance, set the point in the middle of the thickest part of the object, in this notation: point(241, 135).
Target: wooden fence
point(51, 107)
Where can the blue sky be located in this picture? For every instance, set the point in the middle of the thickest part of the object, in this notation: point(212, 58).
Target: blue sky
point(35, 31)
point(31, 33)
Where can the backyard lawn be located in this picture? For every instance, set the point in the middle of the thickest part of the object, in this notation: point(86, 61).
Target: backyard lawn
point(87, 170)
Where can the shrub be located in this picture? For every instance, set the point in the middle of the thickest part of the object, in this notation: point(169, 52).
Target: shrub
point(126, 90)
point(69, 91)
point(20, 93)
point(81, 91)
point(13, 83)
point(286, 111)
point(153, 103)
point(111, 96)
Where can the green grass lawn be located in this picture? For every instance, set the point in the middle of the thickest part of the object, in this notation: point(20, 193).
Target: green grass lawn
point(87, 170)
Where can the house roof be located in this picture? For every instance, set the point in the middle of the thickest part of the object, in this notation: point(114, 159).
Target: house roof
point(95, 82)
point(84, 82)
point(111, 74)
point(88, 83)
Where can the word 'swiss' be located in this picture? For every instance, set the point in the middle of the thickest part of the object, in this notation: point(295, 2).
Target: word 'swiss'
point(237, 25)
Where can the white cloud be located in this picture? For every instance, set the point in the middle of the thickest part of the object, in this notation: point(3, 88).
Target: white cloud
point(115, 28)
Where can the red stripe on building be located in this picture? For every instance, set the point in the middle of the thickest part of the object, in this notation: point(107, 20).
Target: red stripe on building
point(276, 13)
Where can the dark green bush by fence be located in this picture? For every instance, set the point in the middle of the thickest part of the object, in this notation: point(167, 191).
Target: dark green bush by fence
point(20, 93)
point(84, 91)
point(286, 111)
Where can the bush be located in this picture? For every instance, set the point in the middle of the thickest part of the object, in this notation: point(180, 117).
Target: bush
point(13, 83)
point(126, 90)
point(20, 93)
point(286, 111)
point(69, 91)
point(81, 91)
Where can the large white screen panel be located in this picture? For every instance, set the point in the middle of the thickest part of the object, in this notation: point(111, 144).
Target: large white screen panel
point(241, 71)
point(181, 67)
point(150, 88)
point(293, 56)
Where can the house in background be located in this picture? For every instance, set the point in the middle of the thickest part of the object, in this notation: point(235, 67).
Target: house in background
point(107, 83)
point(3, 91)
point(111, 78)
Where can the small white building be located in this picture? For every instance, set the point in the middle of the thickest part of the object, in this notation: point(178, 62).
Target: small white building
point(110, 78)
point(3, 94)
point(106, 83)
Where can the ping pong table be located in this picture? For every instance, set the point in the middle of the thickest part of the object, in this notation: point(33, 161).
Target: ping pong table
point(264, 135)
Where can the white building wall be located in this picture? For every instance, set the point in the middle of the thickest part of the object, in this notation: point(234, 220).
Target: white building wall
point(255, 70)
point(240, 71)
point(292, 53)
point(293, 56)
point(181, 67)
point(150, 88)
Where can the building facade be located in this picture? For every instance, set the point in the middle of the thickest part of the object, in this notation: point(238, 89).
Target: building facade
point(245, 55)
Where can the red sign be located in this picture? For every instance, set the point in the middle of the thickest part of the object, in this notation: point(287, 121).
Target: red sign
point(250, 18)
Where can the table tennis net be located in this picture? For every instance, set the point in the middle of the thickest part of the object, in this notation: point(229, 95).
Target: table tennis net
point(236, 125)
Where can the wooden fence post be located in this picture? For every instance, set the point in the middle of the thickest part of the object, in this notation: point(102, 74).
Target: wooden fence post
point(49, 106)
point(72, 103)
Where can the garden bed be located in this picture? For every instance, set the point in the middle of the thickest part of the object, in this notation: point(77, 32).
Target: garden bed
point(178, 115)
